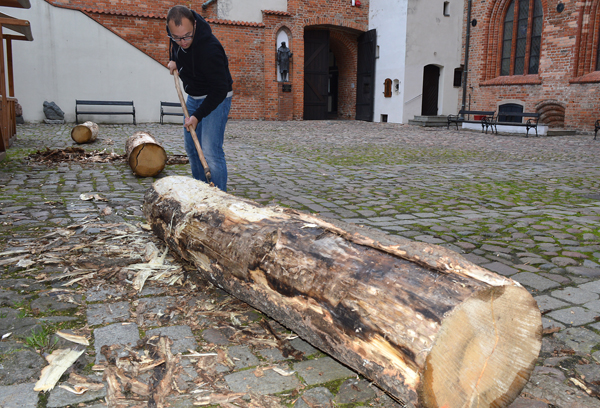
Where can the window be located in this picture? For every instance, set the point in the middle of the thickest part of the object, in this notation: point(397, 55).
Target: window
point(522, 38)
point(446, 8)
point(458, 73)
point(505, 110)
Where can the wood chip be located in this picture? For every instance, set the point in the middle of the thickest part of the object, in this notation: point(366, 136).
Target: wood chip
point(59, 361)
point(73, 337)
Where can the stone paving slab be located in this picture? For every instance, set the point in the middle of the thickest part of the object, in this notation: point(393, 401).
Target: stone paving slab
point(18, 396)
point(270, 383)
point(321, 370)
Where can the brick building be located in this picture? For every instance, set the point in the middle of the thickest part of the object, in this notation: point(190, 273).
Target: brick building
point(320, 85)
point(537, 56)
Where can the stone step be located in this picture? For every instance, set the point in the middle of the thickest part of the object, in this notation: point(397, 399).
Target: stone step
point(427, 121)
point(560, 132)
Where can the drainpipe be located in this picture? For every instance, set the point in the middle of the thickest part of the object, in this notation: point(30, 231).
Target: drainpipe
point(466, 66)
point(205, 5)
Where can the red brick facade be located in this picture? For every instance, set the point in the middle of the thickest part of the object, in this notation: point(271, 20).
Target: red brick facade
point(566, 89)
point(251, 47)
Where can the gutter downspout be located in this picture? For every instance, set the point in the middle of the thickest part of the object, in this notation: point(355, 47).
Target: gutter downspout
point(205, 5)
point(466, 68)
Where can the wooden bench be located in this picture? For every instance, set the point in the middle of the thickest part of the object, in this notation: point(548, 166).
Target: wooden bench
point(169, 105)
point(487, 118)
point(596, 127)
point(530, 124)
point(79, 102)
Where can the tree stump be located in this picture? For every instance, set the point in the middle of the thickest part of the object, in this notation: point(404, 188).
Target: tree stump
point(420, 321)
point(85, 133)
point(145, 155)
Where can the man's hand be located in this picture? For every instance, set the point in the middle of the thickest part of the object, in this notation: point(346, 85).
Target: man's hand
point(172, 66)
point(191, 123)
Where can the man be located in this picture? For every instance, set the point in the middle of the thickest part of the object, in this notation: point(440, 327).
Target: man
point(202, 65)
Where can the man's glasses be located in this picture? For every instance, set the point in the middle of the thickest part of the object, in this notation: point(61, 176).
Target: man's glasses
point(185, 37)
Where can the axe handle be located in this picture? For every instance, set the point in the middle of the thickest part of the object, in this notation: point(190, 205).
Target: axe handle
point(192, 131)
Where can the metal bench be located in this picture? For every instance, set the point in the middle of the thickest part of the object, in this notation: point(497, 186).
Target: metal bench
point(487, 118)
point(164, 112)
point(596, 127)
point(530, 124)
point(79, 102)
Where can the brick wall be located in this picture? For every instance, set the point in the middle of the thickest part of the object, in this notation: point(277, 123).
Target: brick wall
point(251, 47)
point(566, 75)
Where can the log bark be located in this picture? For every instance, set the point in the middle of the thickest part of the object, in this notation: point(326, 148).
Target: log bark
point(145, 155)
point(423, 323)
point(86, 132)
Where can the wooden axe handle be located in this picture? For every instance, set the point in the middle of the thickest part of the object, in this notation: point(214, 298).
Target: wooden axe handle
point(192, 131)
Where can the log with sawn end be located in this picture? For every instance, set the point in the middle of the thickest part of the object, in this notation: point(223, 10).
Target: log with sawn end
point(145, 155)
point(423, 323)
point(85, 133)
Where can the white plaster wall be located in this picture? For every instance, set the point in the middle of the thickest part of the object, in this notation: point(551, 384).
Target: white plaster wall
point(389, 18)
point(73, 57)
point(247, 10)
point(432, 38)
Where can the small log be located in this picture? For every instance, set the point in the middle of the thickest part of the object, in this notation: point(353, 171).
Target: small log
point(85, 133)
point(145, 155)
point(420, 321)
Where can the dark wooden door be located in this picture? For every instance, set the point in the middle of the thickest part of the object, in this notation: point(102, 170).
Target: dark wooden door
point(431, 82)
point(316, 74)
point(365, 73)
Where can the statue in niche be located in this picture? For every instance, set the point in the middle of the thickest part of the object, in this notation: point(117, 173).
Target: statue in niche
point(283, 59)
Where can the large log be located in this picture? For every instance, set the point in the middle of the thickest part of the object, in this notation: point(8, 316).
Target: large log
point(145, 155)
point(423, 323)
point(86, 132)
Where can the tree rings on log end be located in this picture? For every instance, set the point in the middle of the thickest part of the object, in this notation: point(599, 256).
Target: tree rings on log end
point(483, 356)
point(85, 132)
point(145, 155)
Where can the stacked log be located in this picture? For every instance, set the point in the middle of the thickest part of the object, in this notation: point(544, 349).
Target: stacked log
point(420, 321)
point(145, 155)
point(85, 133)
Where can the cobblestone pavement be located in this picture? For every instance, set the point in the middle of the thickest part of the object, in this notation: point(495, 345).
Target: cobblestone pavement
point(528, 208)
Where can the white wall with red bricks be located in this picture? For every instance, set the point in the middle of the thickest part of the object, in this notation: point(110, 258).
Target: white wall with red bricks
point(251, 46)
point(73, 57)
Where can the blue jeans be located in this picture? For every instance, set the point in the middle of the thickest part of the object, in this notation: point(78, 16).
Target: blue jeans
point(210, 132)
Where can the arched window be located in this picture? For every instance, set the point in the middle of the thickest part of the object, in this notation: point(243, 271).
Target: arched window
point(522, 38)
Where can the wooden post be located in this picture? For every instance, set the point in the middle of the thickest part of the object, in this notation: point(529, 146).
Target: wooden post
point(423, 323)
point(9, 62)
point(3, 104)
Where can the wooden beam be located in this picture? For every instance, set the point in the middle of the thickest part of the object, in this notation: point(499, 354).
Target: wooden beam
point(15, 37)
point(13, 21)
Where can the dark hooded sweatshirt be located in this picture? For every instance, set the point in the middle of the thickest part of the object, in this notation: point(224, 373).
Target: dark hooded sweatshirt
point(203, 68)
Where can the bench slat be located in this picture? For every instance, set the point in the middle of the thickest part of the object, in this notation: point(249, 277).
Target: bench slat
point(80, 102)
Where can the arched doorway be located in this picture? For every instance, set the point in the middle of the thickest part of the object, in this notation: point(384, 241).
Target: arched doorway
point(431, 84)
point(330, 72)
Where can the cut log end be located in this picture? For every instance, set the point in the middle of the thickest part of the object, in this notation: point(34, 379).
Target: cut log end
point(85, 132)
point(484, 353)
point(147, 160)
